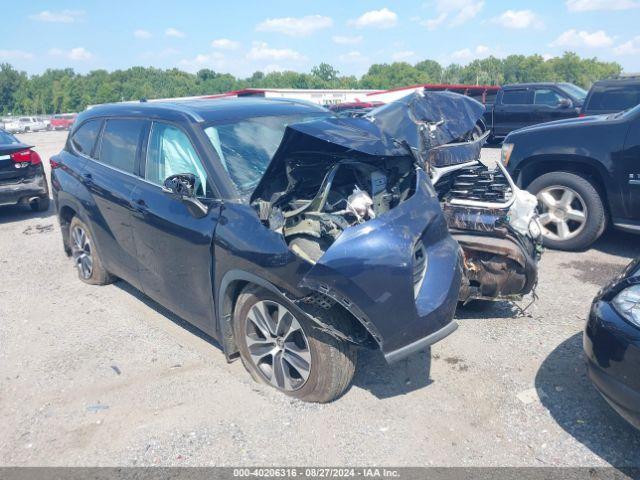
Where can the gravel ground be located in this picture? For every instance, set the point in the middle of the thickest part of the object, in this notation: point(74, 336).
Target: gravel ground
point(104, 376)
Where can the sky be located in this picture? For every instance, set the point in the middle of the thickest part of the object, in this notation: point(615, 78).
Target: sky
point(241, 37)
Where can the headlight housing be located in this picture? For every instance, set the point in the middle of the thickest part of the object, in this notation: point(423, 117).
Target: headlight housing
point(627, 303)
point(505, 154)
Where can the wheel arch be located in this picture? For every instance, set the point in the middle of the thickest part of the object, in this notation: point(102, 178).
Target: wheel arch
point(586, 167)
point(234, 281)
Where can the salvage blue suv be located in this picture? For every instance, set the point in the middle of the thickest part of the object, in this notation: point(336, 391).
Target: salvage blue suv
point(291, 236)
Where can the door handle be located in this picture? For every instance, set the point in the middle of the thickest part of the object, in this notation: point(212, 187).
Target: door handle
point(140, 205)
point(87, 178)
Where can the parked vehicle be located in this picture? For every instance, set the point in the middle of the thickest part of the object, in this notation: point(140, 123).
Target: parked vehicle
point(26, 124)
point(611, 96)
point(63, 121)
point(612, 343)
point(585, 173)
point(520, 105)
point(293, 236)
point(22, 177)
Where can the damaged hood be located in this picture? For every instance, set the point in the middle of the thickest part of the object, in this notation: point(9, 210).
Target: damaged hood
point(411, 126)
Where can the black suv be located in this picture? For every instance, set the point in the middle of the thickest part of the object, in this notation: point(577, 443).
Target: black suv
point(611, 96)
point(585, 173)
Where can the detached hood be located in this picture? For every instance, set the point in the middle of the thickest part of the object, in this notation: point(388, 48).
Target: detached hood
point(411, 126)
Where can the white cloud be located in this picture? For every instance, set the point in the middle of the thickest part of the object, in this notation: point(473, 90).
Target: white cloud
point(353, 57)
point(467, 54)
point(295, 27)
point(591, 5)
point(582, 38)
point(174, 32)
point(79, 54)
point(63, 16)
point(547, 56)
point(262, 51)
point(383, 18)
point(403, 55)
point(632, 47)
point(143, 34)
point(453, 12)
point(518, 19)
point(225, 44)
point(346, 40)
point(15, 55)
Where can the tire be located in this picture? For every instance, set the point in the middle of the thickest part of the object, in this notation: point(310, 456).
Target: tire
point(583, 231)
point(331, 361)
point(41, 204)
point(97, 274)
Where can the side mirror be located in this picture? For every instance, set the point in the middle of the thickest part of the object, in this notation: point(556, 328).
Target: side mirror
point(565, 103)
point(182, 187)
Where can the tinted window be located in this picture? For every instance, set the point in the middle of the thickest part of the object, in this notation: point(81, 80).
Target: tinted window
point(171, 152)
point(515, 97)
point(614, 99)
point(546, 97)
point(7, 138)
point(119, 144)
point(84, 138)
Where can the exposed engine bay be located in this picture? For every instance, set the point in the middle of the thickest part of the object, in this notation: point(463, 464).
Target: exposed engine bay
point(320, 191)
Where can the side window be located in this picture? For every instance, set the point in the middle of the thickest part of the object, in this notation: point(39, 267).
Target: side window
point(85, 137)
point(546, 96)
point(120, 142)
point(615, 99)
point(170, 152)
point(515, 97)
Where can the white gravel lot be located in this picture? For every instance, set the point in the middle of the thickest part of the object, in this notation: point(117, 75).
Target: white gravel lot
point(104, 376)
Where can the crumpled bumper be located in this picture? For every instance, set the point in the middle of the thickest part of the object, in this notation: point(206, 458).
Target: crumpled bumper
point(373, 271)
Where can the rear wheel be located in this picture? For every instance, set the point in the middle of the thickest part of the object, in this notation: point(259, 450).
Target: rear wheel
point(571, 211)
point(85, 255)
point(287, 351)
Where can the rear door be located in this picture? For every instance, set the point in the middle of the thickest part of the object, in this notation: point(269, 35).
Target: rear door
point(512, 111)
point(174, 247)
point(110, 178)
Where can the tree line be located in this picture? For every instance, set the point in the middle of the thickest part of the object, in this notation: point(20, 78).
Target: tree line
point(64, 90)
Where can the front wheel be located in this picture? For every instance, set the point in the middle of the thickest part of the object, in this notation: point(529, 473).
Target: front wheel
point(572, 214)
point(287, 351)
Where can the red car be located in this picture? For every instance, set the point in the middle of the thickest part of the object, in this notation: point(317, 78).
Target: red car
point(63, 121)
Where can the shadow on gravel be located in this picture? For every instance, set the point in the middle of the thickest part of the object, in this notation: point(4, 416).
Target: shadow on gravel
point(19, 213)
point(565, 390)
point(480, 309)
point(616, 242)
point(374, 374)
point(122, 285)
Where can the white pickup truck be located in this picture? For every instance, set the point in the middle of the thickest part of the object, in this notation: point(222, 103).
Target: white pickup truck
point(25, 124)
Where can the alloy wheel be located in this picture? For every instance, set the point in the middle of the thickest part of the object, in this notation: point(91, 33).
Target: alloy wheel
point(563, 212)
point(277, 345)
point(81, 252)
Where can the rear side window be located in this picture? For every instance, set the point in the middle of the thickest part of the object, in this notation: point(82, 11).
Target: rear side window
point(85, 137)
point(515, 97)
point(614, 98)
point(7, 138)
point(120, 142)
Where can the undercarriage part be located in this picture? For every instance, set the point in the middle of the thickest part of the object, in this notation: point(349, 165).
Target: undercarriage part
point(495, 267)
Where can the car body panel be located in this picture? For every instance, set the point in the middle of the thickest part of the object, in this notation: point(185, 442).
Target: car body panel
point(19, 182)
point(612, 349)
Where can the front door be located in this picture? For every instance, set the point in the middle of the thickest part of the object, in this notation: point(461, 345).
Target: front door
point(174, 247)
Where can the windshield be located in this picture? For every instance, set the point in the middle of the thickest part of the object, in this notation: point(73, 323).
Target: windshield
point(575, 91)
point(245, 148)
